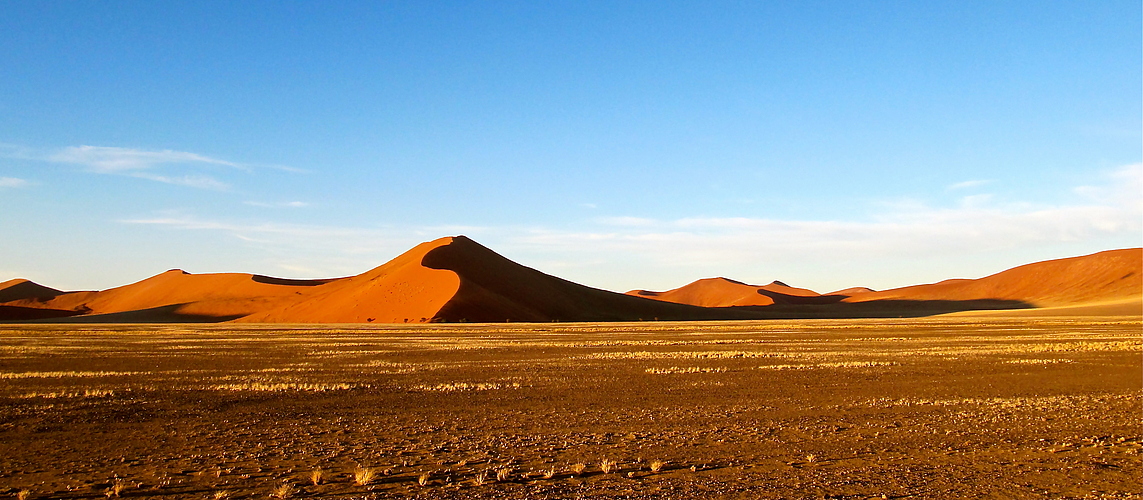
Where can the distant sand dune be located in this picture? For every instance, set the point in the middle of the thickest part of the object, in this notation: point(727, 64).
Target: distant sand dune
point(458, 280)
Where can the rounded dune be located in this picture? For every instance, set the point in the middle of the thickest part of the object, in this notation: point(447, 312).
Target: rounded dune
point(1099, 277)
point(21, 289)
point(400, 291)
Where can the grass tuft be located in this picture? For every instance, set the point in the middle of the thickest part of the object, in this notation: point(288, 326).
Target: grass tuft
point(424, 478)
point(607, 465)
point(578, 468)
point(657, 465)
point(117, 487)
point(317, 476)
point(362, 476)
point(481, 479)
point(23, 494)
point(284, 490)
point(503, 475)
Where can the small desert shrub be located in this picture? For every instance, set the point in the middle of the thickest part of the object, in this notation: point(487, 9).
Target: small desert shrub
point(578, 469)
point(284, 490)
point(811, 458)
point(363, 475)
point(657, 465)
point(607, 465)
point(221, 495)
point(424, 478)
point(23, 494)
point(317, 476)
point(480, 479)
point(550, 473)
point(503, 475)
point(116, 488)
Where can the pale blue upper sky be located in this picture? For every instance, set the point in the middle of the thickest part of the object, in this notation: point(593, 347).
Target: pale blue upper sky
point(618, 144)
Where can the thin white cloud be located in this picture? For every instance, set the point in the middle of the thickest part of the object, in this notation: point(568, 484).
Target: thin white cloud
point(618, 251)
point(969, 184)
point(113, 160)
point(903, 232)
point(13, 182)
point(167, 166)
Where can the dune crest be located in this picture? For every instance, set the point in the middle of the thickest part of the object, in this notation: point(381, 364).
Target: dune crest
point(455, 279)
point(22, 289)
point(1105, 276)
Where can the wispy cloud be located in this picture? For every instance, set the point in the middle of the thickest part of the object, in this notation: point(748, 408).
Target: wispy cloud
point(969, 184)
point(144, 164)
point(905, 232)
point(167, 166)
point(618, 251)
point(13, 182)
point(112, 160)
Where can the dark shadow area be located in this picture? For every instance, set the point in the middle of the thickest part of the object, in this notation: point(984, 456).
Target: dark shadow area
point(162, 314)
point(28, 290)
point(17, 313)
point(493, 289)
point(784, 299)
point(881, 308)
point(270, 280)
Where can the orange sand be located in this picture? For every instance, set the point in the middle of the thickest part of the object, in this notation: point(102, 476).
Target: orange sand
point(458, 280)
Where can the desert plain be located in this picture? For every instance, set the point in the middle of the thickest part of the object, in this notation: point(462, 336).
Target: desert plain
point(940, 407)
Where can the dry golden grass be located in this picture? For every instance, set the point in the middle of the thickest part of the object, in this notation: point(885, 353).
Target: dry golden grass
point(684, 355)
point(221, 495)
point(607, 465)
point(688, 369)
point(657, 465)
point(549, 473)
point(362, 476)
point(19, 375)
point(840, 364)
point(480, 479)
point(284, 386)
point(503, 475)
point(317, 476)
point(284, 490)
point(23, 494)
point(466, 386)
point(578, 468)
point(424, 478)
point(117, 487)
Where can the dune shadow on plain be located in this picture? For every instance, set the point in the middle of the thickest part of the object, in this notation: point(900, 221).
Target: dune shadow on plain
point(831, 307)
point(162, 314)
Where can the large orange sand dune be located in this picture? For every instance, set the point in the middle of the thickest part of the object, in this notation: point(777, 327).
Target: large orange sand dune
point(456, 280)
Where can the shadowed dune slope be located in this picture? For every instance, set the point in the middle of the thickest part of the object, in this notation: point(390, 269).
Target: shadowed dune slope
point(493, 288)
point(1099, 277)
point(20, 289)
point(456, 280)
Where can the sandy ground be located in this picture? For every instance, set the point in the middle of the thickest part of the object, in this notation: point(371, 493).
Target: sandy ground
point(936, 408)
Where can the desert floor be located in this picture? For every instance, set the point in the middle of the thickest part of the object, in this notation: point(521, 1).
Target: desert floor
point(933, 408)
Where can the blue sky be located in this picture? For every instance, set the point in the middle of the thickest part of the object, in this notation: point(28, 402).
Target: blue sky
point(618, 144)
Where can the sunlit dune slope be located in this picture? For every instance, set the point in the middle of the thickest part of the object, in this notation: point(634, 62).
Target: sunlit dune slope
point(222, 295)
point(456, 279)
point(400, 291)
point(1099, 277)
